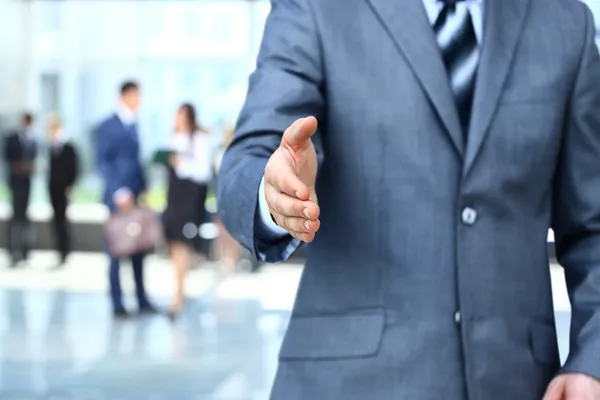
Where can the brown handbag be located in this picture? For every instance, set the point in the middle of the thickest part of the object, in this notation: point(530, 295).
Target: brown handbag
point(136, 231)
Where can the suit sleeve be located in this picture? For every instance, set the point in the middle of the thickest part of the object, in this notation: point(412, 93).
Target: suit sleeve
point(287, 85)
point(103, 150)
point(73, 162)
point(576, 217)
point(8, 154)
point(104, 160)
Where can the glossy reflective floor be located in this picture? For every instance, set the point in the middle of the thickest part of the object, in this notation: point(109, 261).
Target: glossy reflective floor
point(58, 340)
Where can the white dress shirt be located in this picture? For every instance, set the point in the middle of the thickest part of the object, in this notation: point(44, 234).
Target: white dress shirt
point(432, 8)
point(126, 116)
point(196, 156)
point(57, 144)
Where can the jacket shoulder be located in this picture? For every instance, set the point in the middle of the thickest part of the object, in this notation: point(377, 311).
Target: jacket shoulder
point(571, 13)
point(104, 128)
point(69, 147)
point(11, 137)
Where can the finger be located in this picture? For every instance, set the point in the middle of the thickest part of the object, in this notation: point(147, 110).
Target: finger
point(295, 224)
point(304, 236)
point(555, 390)
point(299, 133)
point(287, 206)
point(285, 181)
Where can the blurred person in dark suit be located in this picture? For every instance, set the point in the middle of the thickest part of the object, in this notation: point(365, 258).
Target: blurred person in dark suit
point(118, 161)
point(64, 165)
point(20, 151)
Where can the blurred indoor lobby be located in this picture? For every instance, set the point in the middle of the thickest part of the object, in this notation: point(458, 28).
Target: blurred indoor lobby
point(58, 337)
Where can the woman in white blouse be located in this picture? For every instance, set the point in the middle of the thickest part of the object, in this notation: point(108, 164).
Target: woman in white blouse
point(189, 175)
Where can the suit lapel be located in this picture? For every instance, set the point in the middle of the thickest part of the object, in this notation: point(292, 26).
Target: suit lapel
point(503, 24)
point(408, 25)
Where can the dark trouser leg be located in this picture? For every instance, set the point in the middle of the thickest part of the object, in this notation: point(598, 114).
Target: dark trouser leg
point(19, 224)
point(61, 228)
point(64, 242)
point(137, 262)
point(115, 284)
point(12, 235)
point(26, 230)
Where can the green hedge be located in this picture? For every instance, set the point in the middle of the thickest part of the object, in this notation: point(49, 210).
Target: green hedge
point(83, 195)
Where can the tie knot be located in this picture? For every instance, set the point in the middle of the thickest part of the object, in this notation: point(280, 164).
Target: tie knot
point(450, 3)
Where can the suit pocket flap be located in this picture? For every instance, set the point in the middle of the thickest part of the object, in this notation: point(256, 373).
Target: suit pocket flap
point(352, 335)
point(544, 347)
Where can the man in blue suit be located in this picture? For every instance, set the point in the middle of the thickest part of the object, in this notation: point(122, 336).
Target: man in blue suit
point(451, 135)
point(118, 161)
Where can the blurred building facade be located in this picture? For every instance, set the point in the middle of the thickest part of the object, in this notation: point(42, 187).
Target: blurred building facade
point(70, 57)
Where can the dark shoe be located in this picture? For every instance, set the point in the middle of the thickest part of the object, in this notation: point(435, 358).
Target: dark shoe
point(173, 315)
point(174, 312)
point(121, 314)
point(148, 309)
point(61, 263)
point(57, 267)
point(17, 260)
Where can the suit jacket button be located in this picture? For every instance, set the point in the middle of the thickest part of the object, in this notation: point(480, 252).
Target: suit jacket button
point(468, 216)
point(457, 317)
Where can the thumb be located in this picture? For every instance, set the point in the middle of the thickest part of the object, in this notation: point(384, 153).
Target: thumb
point(298, 135)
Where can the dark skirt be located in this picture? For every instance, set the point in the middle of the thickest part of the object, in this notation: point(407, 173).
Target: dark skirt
point(185, 211)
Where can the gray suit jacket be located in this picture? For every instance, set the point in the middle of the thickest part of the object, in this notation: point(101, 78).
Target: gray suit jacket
point(429, 276)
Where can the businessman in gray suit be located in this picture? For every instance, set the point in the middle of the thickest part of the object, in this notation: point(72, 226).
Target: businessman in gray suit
point(451, 136)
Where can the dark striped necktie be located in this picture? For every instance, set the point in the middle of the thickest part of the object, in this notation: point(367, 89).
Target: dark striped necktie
point(456, 38)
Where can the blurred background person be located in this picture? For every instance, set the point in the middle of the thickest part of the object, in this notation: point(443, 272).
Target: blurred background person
point(20, 151)
point(64, 168)
point(118, 162)
point(190, 172)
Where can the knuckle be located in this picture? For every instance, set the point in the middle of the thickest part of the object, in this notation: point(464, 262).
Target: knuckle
point(299, 209)
point(270, 198)
point(279, 220)
point(286, 223)
point(277, 208)
point(295, 225)
point(288, 206)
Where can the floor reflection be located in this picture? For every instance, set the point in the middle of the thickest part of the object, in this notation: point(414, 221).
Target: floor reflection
point(55, 345)
point(64, 345)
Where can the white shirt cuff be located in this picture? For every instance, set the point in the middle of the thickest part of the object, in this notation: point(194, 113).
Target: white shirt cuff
point(265, 214)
